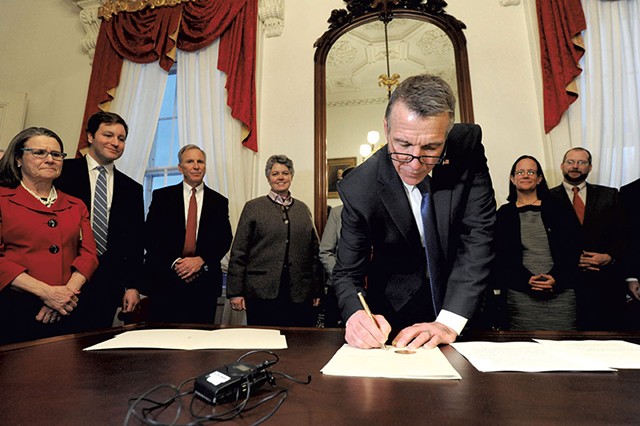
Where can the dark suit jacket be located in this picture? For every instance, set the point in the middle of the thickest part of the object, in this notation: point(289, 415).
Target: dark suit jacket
point(604, 229)
point(630, 204)
point(599, 294)
point(380, 238)
point(165, 234)
point(121, 265)
point(509, 271)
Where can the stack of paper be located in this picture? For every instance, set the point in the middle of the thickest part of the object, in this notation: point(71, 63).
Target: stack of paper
point(549, 355)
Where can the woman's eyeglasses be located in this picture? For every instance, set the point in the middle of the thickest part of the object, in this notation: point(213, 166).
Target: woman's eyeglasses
point(43, 153)
point(527, 172)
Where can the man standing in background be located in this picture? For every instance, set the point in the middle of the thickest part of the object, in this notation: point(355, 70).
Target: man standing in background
point(116, 205)
point(601, 233)
point(187, 234)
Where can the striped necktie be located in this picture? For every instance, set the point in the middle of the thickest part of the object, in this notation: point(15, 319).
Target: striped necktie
point(100, 221)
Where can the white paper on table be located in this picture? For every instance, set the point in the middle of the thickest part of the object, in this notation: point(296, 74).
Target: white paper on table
point(523, 356)
point(612, 353)
point(423, 364)
point(189, 339)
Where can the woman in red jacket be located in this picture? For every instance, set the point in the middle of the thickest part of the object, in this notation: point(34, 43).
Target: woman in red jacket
point(47, 250)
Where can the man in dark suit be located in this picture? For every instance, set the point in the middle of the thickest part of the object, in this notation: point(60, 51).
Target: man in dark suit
point(630, 204)
point(601, 230)
point(428, 294)
point(116, 281)
point(187, 234)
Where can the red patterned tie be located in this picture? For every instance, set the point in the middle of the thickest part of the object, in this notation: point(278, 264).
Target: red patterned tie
point(578, 204)
point(192, 217)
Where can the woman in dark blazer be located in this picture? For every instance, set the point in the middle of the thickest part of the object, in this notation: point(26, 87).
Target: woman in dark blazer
point(47, 250)
point(536, 254)
point(274, 271)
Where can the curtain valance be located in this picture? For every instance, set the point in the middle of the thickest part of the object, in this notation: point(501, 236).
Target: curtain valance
point(151, 35)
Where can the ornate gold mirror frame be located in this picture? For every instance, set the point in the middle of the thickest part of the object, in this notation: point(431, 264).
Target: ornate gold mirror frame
point(356, 14)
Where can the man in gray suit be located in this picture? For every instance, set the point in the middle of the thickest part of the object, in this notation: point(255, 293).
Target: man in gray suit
point(428, 294)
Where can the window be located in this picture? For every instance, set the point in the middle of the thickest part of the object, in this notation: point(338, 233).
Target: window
point(162, 169)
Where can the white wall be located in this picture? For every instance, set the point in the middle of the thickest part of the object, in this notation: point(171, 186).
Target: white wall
point(42, 55)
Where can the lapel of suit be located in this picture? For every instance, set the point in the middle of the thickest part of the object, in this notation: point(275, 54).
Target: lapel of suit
point(117, 200)
point(80, 171)
point(178, 205)
point(394, 198)
point(442, 202)
point(203, 213)
point(592, 206)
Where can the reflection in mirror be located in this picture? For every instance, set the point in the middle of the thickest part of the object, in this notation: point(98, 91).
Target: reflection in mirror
point(356, 98)
point(351, 57)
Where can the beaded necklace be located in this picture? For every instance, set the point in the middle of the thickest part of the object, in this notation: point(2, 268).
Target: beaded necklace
point(53, 195)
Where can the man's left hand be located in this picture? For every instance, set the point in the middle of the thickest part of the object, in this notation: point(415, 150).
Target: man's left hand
point(427, 334)
point(593, 261)
point(188, 268)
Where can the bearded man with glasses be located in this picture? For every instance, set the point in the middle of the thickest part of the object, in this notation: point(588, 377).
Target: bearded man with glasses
point(418, 223)
point(601, 231)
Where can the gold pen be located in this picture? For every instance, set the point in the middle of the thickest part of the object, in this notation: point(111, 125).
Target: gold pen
point(368, 311)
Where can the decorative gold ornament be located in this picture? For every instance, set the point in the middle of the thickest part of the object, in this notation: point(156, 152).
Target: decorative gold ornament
point(389, 82)
point(113, 7)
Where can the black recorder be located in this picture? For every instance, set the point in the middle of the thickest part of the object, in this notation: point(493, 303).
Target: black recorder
point(230, 383)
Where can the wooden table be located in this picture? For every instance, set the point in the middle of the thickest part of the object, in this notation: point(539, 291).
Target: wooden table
point(53, 382)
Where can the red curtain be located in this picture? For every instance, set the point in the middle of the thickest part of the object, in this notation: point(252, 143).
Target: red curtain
point(560, 22)
point(154, 34)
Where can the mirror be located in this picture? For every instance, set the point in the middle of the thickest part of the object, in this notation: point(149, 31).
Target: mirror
point(350, 98)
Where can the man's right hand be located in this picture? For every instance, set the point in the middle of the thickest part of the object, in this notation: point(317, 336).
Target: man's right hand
point(363, 333)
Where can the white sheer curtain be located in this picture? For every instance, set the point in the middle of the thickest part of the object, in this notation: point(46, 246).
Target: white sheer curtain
point(606, 117)
point(204, 119)
point(138, 100)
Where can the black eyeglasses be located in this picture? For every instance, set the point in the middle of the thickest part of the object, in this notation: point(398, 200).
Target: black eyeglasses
point(43, 153)
point(423, 159)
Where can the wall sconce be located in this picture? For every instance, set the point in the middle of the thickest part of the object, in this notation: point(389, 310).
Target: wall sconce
point(367, 148)
point(373, 137)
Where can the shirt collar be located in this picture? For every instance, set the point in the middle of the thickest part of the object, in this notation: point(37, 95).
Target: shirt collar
point(92, 164)
point(569, 186)
point(279, 199)
point(420, 187)
point(186, 188)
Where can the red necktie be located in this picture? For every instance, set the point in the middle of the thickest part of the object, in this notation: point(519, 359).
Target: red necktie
point(192, 218)
point(578, 204)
